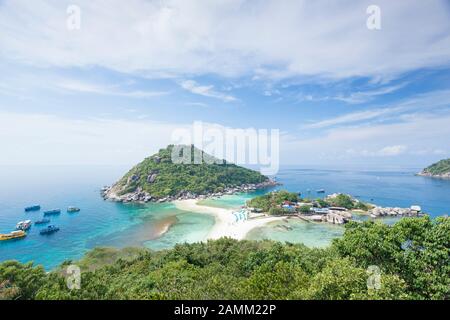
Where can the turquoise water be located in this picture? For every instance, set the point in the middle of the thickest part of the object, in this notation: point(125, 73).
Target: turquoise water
point(104, 223)
point(311, 234)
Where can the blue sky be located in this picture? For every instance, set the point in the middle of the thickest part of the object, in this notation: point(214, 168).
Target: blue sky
point(114, 90)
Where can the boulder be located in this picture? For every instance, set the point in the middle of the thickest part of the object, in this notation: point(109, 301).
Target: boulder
point(156, 159)
point(335, 218)
point(132, 178)
point(151, 177)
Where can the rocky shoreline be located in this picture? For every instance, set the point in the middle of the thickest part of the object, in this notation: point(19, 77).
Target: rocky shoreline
point(414, 211)
point(141, 196)
point(436, 176)
point(343, 216)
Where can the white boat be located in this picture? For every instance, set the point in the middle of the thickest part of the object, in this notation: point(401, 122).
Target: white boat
point(23, 225)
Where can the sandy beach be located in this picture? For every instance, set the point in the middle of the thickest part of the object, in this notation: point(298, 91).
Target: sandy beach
point(225, 225)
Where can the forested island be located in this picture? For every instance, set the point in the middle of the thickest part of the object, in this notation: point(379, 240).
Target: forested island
point(440, 169)
point(158, 178)
point(408, 260)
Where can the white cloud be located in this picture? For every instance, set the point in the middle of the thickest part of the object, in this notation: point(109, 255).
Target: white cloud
point(392, 150)
point(388, 151)
point(231, 38)
point(365, 96)
point(196, 104)
point(401, 110)
point(207, 91)
point(351, 118)
point(355, 97)
point(367, 144)
point(59, 140)
point(83, 87)
point(56, 140)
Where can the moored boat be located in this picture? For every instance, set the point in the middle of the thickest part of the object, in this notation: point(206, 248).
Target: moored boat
point(13, 235)
point(35, 207)
point(43, 221)
point(51, 212)
point(49, 230)
point(73, 209)
point(320, 191)
point(23, 225)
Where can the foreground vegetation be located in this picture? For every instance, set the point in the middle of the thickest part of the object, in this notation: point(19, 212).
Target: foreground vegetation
point(413, 257)
point(160, 177)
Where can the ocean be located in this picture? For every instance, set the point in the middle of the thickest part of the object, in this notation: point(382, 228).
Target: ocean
point(161, 226)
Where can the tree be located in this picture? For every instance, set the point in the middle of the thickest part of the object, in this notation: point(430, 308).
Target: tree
point(20, 281)
point(283, 281)
point(416, 249)
point(304, 209)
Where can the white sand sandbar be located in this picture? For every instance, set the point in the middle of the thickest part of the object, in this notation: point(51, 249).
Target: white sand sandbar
point(225, 225)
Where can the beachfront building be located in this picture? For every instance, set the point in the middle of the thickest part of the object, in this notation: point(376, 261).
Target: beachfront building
point(320, 210)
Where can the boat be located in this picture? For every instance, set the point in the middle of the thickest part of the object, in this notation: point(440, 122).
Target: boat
point(23, 225)
point(43, 221)
point(73, 209)
point(51, 212)
point(13, 235)
point(49, 230)
point(35, 207)
point(320, 191)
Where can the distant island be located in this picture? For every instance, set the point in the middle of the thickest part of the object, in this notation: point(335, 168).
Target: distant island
point(158, 179)
point(440, 169)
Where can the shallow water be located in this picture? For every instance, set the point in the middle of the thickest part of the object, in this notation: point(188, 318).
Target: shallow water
point(297, 231)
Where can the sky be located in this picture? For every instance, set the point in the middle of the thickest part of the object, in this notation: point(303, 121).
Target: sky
point(113, 89)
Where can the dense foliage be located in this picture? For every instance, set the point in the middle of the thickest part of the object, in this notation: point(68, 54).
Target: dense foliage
point(272, 200)
point(412, 255)
point(160, 177)
point(439, 168)
point(345, 201)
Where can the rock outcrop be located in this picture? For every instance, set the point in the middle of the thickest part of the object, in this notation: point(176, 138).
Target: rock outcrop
point(414, 211)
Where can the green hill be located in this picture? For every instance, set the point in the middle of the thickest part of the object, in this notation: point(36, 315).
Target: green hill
point(440, 169)
point(158, 178)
